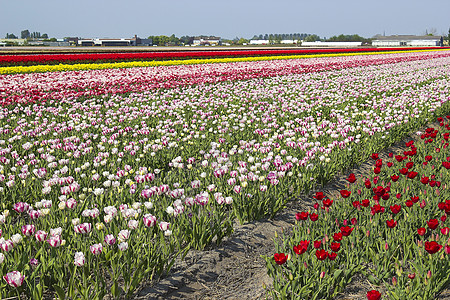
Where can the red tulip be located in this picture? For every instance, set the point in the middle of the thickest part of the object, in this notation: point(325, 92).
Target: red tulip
point(379, 163)
point(319, 196)
point(351, 178)
point(399, 158)
point(379, 191)
point(280, 258)
point(346, 230)
point(335, 247)
point(337, 237)
point(332, 256)
point(412, 175)
point(421, 231)
point(394, 178)
point(433, 224)
point(301, 247)
point(373, 295)
point(327, 202)
point(389, 164)
point(409, 165)
point(321, 254)
point(425, 180)
point(428, 158)
point(374, 156)
point(408, 203)
point(365, 203)
point(432, 247)
point(317, 244)
point(314, 217)
point(345, 193)
point(391, 223)
point(445, 230)
point(403, 171)
point(395, 209)
point(356, 204)
point(301, 216)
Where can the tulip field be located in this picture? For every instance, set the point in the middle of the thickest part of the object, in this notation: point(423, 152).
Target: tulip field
point(110, 171)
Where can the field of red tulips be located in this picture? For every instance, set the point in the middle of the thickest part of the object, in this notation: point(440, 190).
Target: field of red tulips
point(39, 59)
point(108, 178)
point(390, 226)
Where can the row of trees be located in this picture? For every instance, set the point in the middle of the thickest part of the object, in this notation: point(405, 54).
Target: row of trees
point(26, 34)
point(163, 40)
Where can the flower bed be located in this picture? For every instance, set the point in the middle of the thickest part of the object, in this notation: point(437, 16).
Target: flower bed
point(58, 86)
point(391, 227)
point(40, 59)
point(134, 64)
point(102, 193)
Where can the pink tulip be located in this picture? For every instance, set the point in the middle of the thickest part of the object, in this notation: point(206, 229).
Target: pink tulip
point(21, 207)
point(110, 239)
point(164, 226)
point(28, 230)
point(40, 235)
point(7, 245)
point(54, 241)
point(79, 260)
point(83, 228)
point(96, 249)
point(14, 278)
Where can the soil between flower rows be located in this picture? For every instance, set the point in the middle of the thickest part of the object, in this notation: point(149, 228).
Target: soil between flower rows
point(236, 270)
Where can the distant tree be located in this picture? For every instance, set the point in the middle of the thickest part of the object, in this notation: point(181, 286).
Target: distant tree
point(448, 37)
point(312, 38)
point(25, 34)
point(278, 38)
point(348, 38)
point(187, 40)
point(10, 36)
point(35, 35)
point(53, 40)
point(44, 36)
point(242, 41)
point(173, 40)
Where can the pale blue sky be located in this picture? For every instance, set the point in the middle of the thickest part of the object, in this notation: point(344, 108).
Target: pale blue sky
point(227, 19)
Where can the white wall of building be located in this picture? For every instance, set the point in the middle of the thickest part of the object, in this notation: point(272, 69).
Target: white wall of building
point(331, 44)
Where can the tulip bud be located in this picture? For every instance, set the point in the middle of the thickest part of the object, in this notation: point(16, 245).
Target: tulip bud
point(394, 281)
point(447, 249)
point(386, 246)
point(322, 274)
point(429, 274)
point(291, 277)
point(412, 276)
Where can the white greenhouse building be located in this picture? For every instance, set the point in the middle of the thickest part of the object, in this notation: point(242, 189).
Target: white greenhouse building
point(407, 40)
